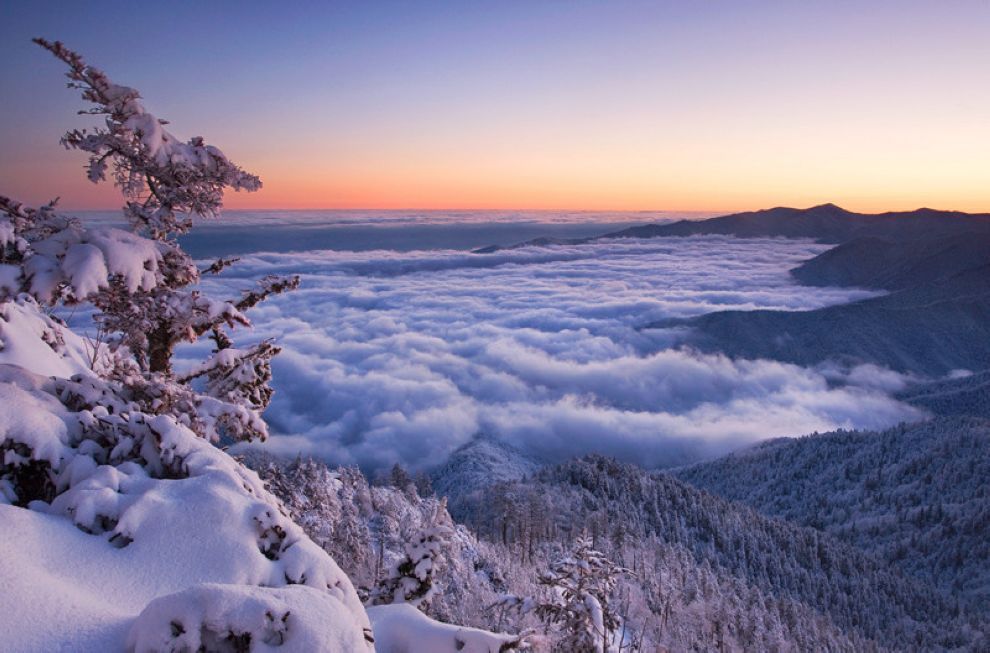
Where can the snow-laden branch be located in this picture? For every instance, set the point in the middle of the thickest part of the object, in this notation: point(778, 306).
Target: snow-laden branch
point(166, 180)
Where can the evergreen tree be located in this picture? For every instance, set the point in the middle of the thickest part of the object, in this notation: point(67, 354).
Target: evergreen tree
point(141, 281)
point(410, 579)
point(581, 586)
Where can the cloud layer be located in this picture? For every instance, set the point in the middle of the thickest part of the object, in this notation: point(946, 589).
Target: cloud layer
point(403, 356)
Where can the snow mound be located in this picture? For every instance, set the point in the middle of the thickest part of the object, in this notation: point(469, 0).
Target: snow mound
point(232, 618)
point(35, 341)
point(55, 257)
point(126, 508)
point(401, 628)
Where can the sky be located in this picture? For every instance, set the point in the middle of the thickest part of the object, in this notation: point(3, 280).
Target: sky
point(691, 106)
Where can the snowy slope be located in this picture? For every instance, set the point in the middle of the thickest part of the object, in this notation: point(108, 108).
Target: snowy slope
point(914, 495)
point(476, 466)
point(405, 629)
point(104, 513)
point(35, 341)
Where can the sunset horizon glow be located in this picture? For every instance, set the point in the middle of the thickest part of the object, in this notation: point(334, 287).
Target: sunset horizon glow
point(635, 107)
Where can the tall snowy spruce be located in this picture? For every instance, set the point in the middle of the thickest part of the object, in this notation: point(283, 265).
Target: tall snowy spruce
point(141, 282)
point(581, 587)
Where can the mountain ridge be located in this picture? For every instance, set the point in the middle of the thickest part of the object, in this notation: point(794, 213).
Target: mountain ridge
point(874, 262)
point(932, 329)
point(826, 223)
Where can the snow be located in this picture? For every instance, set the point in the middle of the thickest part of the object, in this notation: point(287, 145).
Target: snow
point(401, 628)
point(78, 572)
point(295, 618)
point(30, 418)
point(83, 260)
point(34, 341)
point(8, 236)
point(128, 255)
point(89, 271)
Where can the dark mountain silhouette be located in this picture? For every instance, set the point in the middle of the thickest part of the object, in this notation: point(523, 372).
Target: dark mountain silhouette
point(932, 329)
point(936, 263)
point(826, 223)
point(542, 241)
point(874, 262)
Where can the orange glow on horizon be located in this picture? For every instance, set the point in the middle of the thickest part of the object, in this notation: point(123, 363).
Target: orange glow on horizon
point(284, 190)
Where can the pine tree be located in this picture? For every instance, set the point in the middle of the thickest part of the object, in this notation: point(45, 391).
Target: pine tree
point(140, 281)
point(581, 586)
point(410, 579)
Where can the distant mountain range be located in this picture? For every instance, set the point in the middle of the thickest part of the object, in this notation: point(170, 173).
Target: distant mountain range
point(825, 223)
point(936, 263)
point(931, 329)
point(874, 262)
point(935, 320)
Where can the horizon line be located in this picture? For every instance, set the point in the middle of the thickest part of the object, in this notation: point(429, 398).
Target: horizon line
point(455, 208)
point(710, 212)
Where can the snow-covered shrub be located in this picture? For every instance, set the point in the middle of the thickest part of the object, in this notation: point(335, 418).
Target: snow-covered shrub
point(581, 586)
point(410, 580)
point(235, 618)
point(157, 535)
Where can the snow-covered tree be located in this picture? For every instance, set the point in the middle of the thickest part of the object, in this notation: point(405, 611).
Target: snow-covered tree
point(581, 586)
point(410, 580)
point(140, 281)
point(107, 436)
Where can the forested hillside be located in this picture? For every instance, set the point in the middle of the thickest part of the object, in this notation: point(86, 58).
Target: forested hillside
point(624, 506)
point(962, 394)
point(702, 573)
point(916, 496)
point(891, 264)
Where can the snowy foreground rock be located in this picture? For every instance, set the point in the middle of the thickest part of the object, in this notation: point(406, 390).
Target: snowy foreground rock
point(78, 571)
point(402, 628)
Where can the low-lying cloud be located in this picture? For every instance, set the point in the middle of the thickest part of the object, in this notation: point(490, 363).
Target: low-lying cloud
point(404, 356)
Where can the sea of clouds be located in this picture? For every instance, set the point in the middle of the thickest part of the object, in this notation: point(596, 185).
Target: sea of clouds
point(393, 356)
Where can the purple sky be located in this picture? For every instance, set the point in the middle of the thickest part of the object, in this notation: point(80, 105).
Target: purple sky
point(605, 105)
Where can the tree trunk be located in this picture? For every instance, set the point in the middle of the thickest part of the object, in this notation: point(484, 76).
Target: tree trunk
point(160, 347)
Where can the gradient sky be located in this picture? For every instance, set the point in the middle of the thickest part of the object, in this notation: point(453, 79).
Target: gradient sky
point(705, 106)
